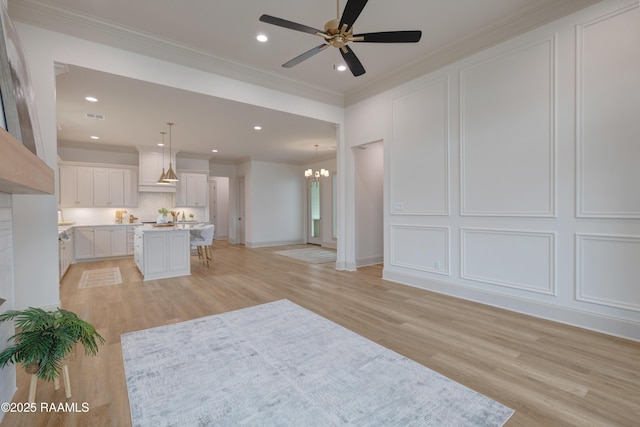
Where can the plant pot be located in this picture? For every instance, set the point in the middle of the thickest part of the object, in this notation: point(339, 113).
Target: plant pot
point(32, 368)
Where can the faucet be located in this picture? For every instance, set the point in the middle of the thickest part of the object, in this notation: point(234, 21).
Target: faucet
point(132, 219)
point(119, 216)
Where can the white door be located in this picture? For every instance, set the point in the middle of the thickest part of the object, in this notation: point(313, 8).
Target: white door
point(314, 220)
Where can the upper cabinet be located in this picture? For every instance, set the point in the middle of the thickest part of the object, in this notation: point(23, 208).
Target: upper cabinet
point(192, 190)
point(85, 186)
point(108, 187)
point(76, 186)
point(151, 165)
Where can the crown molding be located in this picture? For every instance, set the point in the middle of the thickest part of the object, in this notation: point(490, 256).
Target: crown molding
point(40, 14)
point(511, 26)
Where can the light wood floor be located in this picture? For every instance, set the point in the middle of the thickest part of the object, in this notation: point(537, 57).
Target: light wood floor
point(551, 374)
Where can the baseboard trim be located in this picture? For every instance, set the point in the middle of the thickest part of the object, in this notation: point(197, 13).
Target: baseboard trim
point(363, 262)
point(273, 243)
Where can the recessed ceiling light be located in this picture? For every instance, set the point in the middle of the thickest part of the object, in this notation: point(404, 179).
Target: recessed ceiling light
point(262, 38)
point(91, 99)
point(95, 137)
point(257, 127)
point(341, 67)
point(214, 151)
point(160, 144)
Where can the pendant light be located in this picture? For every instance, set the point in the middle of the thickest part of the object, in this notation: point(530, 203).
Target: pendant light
point(162, 180)
point(170, 175)
point(316, 175)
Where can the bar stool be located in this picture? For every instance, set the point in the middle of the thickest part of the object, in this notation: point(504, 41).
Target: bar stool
point(203, 243)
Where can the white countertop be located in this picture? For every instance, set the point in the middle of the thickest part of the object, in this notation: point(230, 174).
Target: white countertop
point(70, 224)
point(150, 227)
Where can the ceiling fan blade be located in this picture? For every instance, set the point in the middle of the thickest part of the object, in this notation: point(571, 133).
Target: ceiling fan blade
point(308, 54)
point(291, 25)
point(389, 37)
point(351, 12)
point(352, 61)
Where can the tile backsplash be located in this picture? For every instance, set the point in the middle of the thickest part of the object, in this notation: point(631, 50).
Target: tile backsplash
point(147, 210)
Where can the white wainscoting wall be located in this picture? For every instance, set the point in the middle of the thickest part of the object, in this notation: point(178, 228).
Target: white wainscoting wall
point(512, 176)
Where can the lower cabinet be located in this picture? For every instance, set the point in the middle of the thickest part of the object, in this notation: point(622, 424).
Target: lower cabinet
point(130, 240)
point(101, 242)
point(160, 254)
point(84, 242)
point(65, 252)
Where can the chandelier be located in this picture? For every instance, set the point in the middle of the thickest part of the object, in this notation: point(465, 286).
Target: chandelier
point(316, 175)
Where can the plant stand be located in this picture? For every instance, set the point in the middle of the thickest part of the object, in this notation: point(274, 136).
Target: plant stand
point(56, 384)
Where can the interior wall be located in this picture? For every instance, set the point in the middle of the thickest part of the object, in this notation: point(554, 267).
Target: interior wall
point(369, 192)
point(222, 206)
point(512, 174)
point(277, 205)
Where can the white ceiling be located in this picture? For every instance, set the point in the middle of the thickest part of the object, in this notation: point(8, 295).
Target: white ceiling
point(223, 33)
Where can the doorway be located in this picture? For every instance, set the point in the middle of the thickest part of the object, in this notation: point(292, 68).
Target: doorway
point(369, 203)
point(314, 208)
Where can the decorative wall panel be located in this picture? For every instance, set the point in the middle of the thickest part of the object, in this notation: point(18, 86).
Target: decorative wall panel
point(608, 270)
point(511, 258)
point(608, 125)
point(420, 151)
point(507, 131)
point(420, 248)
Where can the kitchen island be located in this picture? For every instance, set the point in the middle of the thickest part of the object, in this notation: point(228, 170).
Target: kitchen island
point(162, 251)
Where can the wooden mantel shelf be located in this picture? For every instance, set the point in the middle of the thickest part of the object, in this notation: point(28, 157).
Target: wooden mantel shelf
point(21, 171)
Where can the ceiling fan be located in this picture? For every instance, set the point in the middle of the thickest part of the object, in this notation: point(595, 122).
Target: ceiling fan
point(338, 32)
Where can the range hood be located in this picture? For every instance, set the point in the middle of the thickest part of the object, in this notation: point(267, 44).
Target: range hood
point(157, 188)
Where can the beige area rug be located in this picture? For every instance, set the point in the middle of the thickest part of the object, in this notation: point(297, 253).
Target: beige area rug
point(278, 364)
point(312, 255)
point(101, 277)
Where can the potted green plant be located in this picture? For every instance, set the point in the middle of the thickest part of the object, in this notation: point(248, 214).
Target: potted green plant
point(162, 218)
point(45, 338)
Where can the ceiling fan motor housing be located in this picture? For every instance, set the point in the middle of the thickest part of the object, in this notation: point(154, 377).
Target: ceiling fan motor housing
point(336, 37)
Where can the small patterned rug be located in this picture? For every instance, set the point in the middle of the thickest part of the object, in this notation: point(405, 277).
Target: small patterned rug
point(312, 255)
point(101, 277)
point(278, 364)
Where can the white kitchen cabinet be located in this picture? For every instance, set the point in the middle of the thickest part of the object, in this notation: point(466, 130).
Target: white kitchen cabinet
point(130, 240)
point(83, 239)
point(137, 251)
point(110, 241)
point(108, 187)
point(100, 242)
point(162, 253)
point(76, 186)
point(192, 190)
point(150, 168)
point(65, 251)
point(85, 186)
point(130, 188)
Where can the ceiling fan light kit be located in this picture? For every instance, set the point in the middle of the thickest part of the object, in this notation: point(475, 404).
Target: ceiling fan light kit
point(338, 32)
